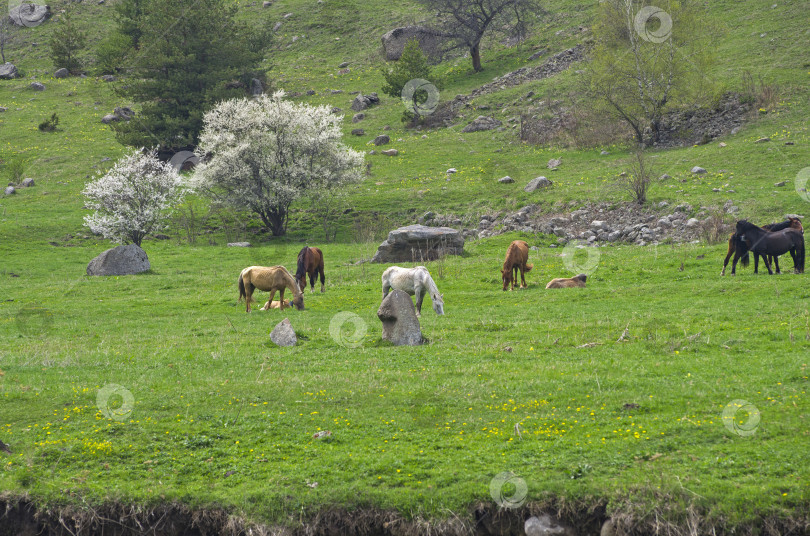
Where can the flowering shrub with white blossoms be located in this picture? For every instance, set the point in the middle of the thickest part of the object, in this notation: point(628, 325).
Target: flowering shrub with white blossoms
point(133, 198)
point(262, 154)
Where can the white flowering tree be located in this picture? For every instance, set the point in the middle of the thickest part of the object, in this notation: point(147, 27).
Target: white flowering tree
point(133, 198)
point(263, 154)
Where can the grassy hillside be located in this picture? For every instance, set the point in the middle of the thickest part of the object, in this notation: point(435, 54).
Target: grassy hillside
point(531, 382)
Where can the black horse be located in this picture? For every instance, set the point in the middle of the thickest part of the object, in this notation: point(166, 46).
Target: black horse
point(770, 243)
point(791, 222)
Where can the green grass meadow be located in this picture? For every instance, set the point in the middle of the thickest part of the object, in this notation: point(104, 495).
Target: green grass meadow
point(159, 388)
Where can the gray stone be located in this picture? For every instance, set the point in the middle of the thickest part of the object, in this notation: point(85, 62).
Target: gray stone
point(554, 162)
point(283, 334)
point(336, 110)
point(545, 525)
point(394, 41)
point(125, 113)
point(398, 317)
point(419, 243)
point(277, 26)
point(361, 102)
point(27, 183)
point(8, 71)
point(698, 170)
point(3, 109)
point(267, 3)
point(37, 86)
point(109, 118)
point(664, 177)
point(121, 260)
point(10, 190)
point(780, 184)
point(239, 244)
point(61, 73)
point(382, 139)
point(537, 182)
point(256, 87)
point(356, 118)
point(599, 225)
point(29, 15)
point(390, 152)
point(608, 528)
point(506, 180)
point(614, 236)
point(358, 132)
point(343, 65)
point(108, 78)
point(482, 122)
point(604, 153)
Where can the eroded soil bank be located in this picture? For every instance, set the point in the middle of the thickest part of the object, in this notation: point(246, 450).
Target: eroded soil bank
point(22, 517)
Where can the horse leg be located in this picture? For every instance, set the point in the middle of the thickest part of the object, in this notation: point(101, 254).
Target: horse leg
point(248, 295)
point(734, 263)
point(767, 264)
point(514, 276)
point(776, 263)
point(312, 280)
point(420, 295)
point(522, 276)
point(756, 263)
point(731, 250)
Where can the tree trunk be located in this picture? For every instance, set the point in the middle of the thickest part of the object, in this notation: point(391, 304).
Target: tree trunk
point(475, 53)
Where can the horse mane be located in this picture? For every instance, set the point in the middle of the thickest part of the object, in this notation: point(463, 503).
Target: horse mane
point(301, 270)
point(778, 226)
point(432, 288)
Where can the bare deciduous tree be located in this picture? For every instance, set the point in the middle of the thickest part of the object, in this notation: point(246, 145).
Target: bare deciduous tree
point(464, 23)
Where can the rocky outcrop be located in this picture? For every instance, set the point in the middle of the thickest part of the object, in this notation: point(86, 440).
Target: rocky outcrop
point(394, 41)
point(418, 243)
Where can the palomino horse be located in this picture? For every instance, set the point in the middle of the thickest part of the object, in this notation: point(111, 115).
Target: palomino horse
point(568, 282)
point(310, 262)
point(770, 243)
point(275, 304)
point(271, 279)
point(414, 281)
point(792, 223)
point(516, 257)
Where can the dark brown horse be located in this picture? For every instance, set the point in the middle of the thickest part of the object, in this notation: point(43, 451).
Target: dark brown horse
point(516, 257)
point(793, 223)
point(310, 262)
point(770, 243)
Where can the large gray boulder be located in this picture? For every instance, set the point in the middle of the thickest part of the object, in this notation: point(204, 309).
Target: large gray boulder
point(8, 71)
point(419, 243)
point(537, 182)
point(283, 334)
point(394, 41)
point(361, 102)
point(29, 14)
point(482, 122)
point(61, 73)
point(121, 260)
point(398, 317)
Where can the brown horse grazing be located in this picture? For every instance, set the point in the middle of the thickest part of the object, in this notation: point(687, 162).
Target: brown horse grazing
point(516, 257)
point(568, 282)
point(792, 223)
point(310, 262)
point(271, 279)
point(771, 243)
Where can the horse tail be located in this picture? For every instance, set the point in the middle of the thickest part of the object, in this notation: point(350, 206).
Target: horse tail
point(529, 267)
point(242, 293)
point(800, 255)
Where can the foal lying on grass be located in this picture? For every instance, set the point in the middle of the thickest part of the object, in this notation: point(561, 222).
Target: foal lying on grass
point(568, 282)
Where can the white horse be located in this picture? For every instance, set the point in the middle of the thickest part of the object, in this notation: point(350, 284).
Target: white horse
point(414, 281)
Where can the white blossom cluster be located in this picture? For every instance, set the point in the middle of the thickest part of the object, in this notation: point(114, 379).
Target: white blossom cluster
point(133, 198)
point(264, 153)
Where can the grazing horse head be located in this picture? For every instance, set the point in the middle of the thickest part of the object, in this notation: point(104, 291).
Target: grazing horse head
point(506, 275)
point(301, 269)
point(438, 302)
point(298, 302)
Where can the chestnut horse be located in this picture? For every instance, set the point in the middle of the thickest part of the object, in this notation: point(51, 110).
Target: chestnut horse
point(271, 279)
point(516, 257)
point(310, 262)
point(793, 223)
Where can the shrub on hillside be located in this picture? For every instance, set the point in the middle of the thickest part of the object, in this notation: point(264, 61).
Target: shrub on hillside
point(133, 199)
